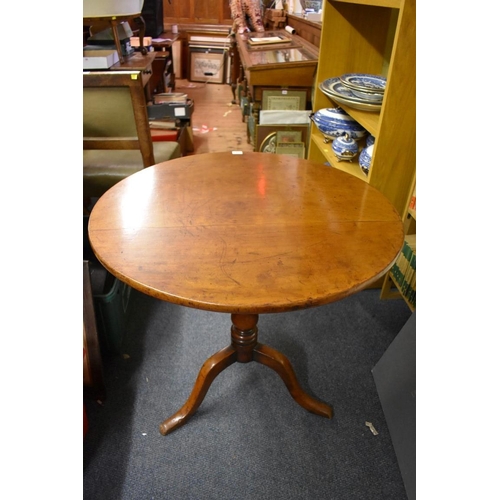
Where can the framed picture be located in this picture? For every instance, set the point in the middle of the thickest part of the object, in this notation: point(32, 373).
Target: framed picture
point(207, 67)
point(266, 137)
point(284, 99)
point(296, 149)
point(288, 136)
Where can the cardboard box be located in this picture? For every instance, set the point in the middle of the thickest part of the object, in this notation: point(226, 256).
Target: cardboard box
point(313, 16)
point(99, 59)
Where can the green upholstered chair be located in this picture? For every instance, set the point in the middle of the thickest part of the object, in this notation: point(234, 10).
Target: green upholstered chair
point(116, 135)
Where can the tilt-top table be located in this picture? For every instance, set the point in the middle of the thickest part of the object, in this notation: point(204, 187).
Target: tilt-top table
point(245, 234)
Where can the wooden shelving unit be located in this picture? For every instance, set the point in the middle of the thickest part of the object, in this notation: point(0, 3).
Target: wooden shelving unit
point(375, 37)
point(391, 289)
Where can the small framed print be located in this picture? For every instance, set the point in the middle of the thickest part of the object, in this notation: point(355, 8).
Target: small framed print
point(284, 100)
point(296, 149)
point(288, 136)
point(267, 136)
point(207, 67)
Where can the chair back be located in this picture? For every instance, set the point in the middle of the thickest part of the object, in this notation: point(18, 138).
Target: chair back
point(115, 114)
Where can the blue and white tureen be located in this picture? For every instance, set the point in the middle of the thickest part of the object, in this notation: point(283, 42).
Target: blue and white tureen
point(335, 122)
point(365, 158)
point(345, 148)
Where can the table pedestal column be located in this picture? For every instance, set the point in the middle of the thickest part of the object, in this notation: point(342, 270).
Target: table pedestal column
point(244, 348)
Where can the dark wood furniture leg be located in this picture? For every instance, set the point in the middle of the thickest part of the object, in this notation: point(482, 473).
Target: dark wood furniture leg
point(244, 348)
point(235, 68)
point(142, 30)
point(116, 38)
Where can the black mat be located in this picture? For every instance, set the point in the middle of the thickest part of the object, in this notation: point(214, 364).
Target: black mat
point(249, 439)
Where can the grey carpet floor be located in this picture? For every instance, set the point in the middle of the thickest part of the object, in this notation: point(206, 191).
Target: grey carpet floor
point(249, 439)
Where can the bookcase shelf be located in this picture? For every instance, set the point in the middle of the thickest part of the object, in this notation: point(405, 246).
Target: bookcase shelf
point(375, 37)
point(323, 152)
point(393, 287)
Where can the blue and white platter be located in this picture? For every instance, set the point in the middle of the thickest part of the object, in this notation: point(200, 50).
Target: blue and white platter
point(364, 82)
point(368, 96)
point(333, 87)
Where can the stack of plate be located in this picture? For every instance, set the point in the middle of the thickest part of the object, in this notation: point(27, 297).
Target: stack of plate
point(357, 90)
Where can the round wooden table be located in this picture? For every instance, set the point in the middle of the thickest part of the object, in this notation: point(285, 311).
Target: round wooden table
point(245, 234)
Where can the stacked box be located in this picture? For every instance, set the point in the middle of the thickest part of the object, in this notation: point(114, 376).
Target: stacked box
point(176, 110)
point(274, 19)
point(273, 13)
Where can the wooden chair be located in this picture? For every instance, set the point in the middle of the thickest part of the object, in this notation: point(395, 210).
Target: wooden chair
point(116, 135)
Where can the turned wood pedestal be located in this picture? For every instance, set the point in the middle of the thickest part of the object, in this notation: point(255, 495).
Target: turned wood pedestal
point(243, 349)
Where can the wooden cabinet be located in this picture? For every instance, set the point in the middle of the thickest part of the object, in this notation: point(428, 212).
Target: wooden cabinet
point(375, 37)
point(291, 64)
point(196, 12)
point(286, 67)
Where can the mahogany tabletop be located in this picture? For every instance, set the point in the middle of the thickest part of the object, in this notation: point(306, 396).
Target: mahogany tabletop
point(245, 233)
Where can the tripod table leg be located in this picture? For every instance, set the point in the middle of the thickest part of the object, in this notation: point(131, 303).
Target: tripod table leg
point(244, 348)
point(210, 369)
point(279, 363)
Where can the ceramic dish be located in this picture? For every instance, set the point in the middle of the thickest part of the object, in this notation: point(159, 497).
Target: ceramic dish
point(345, 148)
point(362, 106)
point(368, 96)
point(370, 140)
point(364, 82)
point(334, 89)
point(334, 122)
point(365, 159)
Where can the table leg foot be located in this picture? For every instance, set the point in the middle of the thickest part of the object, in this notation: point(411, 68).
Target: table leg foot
point(280, 363)
point(210, 369)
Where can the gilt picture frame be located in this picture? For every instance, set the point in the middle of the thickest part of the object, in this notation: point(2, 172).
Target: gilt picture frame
point(266, 136)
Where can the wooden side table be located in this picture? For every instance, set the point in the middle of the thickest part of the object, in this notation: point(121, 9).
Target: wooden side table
point(245, 234)
point(114, 21)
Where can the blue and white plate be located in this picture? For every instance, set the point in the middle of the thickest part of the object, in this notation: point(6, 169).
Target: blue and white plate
point(368, 96)
point(335, 87)
point(332, 87)
point(364, 82)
